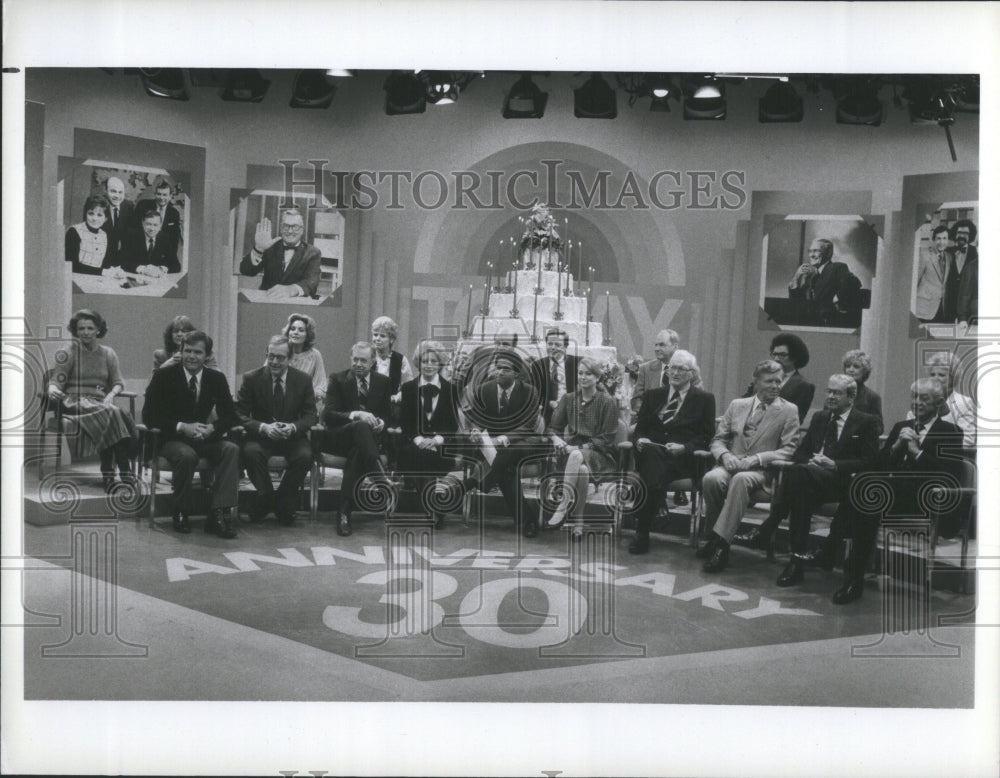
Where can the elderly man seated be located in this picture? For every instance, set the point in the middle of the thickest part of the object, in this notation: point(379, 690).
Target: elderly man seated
point(753, 432)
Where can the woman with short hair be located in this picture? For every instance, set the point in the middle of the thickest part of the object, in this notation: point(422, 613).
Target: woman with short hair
point(858, 365)
point(392, 364)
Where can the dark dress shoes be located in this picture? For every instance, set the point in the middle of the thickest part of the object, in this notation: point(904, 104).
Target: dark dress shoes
point(225, 527)
point(849, 593)
point(753, 538)
point(530, 529)
point(794, 573)
point(707, 549)
point(344, 525)
point(639, 545)
point(719, 559)
point(181, 523)
point(680, 499)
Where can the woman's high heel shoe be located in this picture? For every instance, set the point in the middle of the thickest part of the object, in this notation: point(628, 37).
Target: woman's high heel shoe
point(556, 520)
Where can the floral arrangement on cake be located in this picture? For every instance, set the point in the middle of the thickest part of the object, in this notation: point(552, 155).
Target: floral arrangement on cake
point(540, 230)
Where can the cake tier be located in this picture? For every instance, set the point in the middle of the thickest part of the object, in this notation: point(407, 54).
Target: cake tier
point(527, 281)
point(577, 330)
point(573, 309)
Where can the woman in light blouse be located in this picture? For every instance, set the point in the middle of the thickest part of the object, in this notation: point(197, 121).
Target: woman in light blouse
point(583, 430)
point(301, 333)
point(392, 364)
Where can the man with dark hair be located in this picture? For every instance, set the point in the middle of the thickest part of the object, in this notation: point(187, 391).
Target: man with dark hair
point(925, 445)
point(277, 407)
point(357, 408)
point(931, 277)
point(961, 285)
point(822, 287)
point(179, 401)
point(170, 217)
point(290, 265)
point(148, 252)
point(503, 416)
point(554, 375)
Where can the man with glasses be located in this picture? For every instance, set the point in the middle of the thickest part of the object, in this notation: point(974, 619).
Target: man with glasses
point(674, 421)
point(277, 407)
point(289, 264)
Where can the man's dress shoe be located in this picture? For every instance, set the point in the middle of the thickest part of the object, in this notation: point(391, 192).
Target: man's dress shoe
point(753, 538)
point(680, 499)
point(530, 528)
point(706, 549)
point(794, 573)
point(639, 545)
point(849, 593)
point(719, 559)
point(225, 527)
point(344, 525)
point(181, 523)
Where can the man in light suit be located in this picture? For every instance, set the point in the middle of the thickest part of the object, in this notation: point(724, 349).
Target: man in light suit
point(170, 217)
point(931, 277)
point(179, 401)
point(753, 432)
point(653, 374)
point(277, 407)
point(554, 375)
point(674, 421)
point(290, 265)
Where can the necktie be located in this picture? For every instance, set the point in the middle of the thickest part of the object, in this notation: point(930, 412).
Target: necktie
point(279, 398)
point(289, 253)
point(754, 420)
point(193, 388)
point(503, 402)
point(114, 217)
point(149, 245)
point(670, 409)
point(363, 391)
point(665, 378)
point(830, 441)
point(555, 373)
point(811, 291)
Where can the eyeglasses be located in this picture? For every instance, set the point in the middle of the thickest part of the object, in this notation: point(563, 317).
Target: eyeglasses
point(292, 228)
point(276, 357)
point(779, 354)
point(676, 369)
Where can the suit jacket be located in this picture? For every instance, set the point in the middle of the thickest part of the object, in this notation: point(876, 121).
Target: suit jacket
point(692, 426)
point(168, 401)
point(303, 269)
point(868, 401)
point(134, 253)
point(774, 438)
point(541, 377)
point(117, 231)
point(518, 423)
point(939, 451)
point(855, 449)
point(255, 401)
point(834, 280)
point(962, 303)
point(650, 377)
point(930, 284)
point(444, 419)
point(170, 226)
point(797, 390)
point(342, 398)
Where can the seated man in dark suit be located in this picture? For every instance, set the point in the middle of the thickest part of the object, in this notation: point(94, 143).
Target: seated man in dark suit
point(674, 421)
point(148, 252)
point(357, 406)
point(290, 265)
point(503, 417)
point(179, 401)
point(840, 442)
point(554, 375)
point(120, 222)
point(170, 217)
point(429, 422)
point(926, 446)
point(277, 407)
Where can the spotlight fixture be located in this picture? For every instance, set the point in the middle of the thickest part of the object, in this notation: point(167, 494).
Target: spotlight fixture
point(660, 89)
point(404, 94)
point(164, 82)
point(312, 89)
point(704, 98)
point(441, 89)
point(245, 86)
point(595, 99)
point(857, 101)
point(525, 100)
point(780, 103)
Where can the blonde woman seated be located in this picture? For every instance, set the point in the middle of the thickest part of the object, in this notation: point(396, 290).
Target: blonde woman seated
point(583, 430)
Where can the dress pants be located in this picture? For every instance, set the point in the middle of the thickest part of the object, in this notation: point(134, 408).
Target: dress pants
point(505, 473)
point(298, 455)
point(806, 487)
point(727, 497)
point(224, 457)
point(657, 470)
point(358, 442)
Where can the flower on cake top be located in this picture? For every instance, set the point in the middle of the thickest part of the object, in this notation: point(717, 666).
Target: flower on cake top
point(540, 229)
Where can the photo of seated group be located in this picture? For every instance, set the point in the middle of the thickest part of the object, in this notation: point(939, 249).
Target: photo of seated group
point(126, 230)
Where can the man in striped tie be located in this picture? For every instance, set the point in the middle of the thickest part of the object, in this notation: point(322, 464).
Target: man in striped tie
point(673, 421)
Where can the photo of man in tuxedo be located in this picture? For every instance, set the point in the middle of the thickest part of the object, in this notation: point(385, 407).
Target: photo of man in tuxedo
point(277, 408)
point(290, 266)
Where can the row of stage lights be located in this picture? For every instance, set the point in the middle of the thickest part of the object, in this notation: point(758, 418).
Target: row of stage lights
point(930, 98)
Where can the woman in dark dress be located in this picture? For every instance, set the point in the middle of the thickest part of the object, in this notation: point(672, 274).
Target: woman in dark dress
point(86, 242)
point(858, 365)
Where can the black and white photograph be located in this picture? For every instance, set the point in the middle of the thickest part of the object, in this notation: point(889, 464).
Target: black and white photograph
point(551, 388)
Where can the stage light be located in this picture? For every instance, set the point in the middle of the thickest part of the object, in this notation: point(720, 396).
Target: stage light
point(245, 86)
point(929, 101)
point(164, 82)
point(595, 100)
point(312, 89)
point(705, 98)
point(442, 91)
point(780, 103)
point(857, 101)
point(525, 100)
point(404, 94)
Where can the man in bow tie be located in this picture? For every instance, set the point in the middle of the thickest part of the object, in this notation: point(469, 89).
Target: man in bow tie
point(277, 407)
point(673, 422)
point(289, 264)
point(916, 452)
point(753, 432)
point(357, 407)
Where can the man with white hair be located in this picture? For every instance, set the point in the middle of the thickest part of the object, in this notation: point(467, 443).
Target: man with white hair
point(289, 265)
point(840, 442)
point(120, 222)
point(653, 374)
point(674, 421)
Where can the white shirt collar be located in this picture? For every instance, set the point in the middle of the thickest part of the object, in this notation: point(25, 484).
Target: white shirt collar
point(436, 381)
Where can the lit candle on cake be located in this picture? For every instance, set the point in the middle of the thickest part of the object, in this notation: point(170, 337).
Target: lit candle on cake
point(489, 275)
point(579, 267)
point(558, 290)
point(607, 317)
